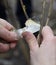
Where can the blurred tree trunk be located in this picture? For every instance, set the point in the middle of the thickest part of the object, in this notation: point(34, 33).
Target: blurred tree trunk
point(36, 7)
point(11, 15)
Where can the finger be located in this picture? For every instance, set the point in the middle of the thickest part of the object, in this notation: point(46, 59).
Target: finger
point(13, 45)
point(55, 38)
point(7, 35)
point(6, 24)
point(4, 47)
point(47, 33)
point(31, 40)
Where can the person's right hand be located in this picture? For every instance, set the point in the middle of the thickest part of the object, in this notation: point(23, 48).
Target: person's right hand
point(46, 53)
point(7, 35)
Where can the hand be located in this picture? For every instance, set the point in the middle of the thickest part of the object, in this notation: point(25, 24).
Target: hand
point(7, 35)
point(46, 53)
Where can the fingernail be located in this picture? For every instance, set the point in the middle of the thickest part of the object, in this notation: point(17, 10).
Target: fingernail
point(12, 45)
point(14, 35)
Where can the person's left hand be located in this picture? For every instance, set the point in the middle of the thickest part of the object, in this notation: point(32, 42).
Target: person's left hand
point(7, 35)
point(46, 53)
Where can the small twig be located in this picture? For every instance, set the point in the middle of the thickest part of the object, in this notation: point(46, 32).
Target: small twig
point(50, 11)
point(43, 18)
point(41, 22)
point(24, 9)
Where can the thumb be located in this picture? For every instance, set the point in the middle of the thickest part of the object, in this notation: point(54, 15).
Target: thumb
point(47, 33)
point(31, 40)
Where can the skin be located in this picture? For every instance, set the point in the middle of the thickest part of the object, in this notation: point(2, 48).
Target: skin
point(7, 35)
point(43, 55)
point(46, 53)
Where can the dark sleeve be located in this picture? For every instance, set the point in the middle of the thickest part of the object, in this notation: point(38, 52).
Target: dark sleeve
point(2, 12)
